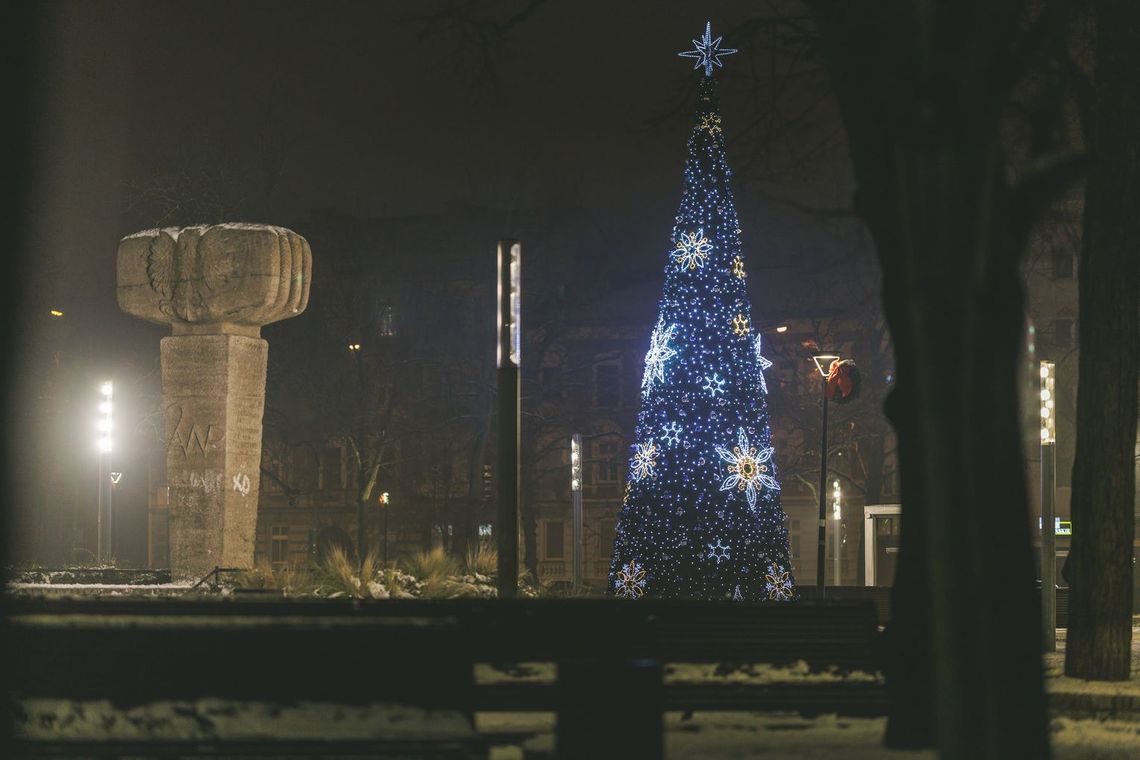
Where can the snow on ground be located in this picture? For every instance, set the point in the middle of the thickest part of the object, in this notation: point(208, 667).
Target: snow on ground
point(766, 736)
point(205, 719)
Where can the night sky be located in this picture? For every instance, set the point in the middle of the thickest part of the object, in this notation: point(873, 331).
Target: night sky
point(163, 113)
point(264, 111)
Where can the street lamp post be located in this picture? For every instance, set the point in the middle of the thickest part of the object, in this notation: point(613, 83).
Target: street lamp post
point(507, 328)
point(1048, 506)
point(354, 349)
point(384, 501)
point(576, 496)
point(836, 532)
point(823, 364)
point(104, 446)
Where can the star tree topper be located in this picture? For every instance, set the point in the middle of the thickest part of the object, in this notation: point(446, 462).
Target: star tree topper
point(707, 51)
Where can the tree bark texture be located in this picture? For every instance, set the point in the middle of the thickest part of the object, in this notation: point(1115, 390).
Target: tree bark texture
point(1100, 600)
point(921, 101)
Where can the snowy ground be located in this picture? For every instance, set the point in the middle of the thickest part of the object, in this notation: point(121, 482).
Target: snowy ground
point(1090, 720)
point(756, 736)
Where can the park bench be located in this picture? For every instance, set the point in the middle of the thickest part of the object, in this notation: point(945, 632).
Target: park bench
point(148, 678)
point(609, 654)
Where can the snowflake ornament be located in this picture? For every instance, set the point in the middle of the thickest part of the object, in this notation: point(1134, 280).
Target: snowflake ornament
point(778, 582)
point(670, 434)
point(644, 460)
point(719, 551)
point(714, 385)
point(630, 581)
point(659, 352)
point(710, 122)
point(738, 267)
point(740, 325)
point(748, 470)
point(692, 250)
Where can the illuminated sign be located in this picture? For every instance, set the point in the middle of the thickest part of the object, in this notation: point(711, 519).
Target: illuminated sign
point(1060, 527)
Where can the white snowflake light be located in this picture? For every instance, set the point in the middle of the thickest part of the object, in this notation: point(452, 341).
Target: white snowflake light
point(659, 352)
point(778, 582)
point(630, 580)
point(670, 433)
point(714, 384)
point(692, 250)
point(719, 551)
point(707, 51)
point(764, 364)
point(747, 469)
point(644, 460)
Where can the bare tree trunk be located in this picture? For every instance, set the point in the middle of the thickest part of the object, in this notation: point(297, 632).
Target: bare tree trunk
point(1100, 567)
point(922, 108)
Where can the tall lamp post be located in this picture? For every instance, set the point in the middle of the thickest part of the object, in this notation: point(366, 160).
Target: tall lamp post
point(507, 361)
point(104, 446)
point(1048, 506)
point(354, 349)
point(384, 500)
point(823, 362)
point(836, 532)
point(576, 496)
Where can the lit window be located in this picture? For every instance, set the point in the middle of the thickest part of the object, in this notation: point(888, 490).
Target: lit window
point(485, 530)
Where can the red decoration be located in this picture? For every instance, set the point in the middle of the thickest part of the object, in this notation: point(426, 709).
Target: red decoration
point(843, 381)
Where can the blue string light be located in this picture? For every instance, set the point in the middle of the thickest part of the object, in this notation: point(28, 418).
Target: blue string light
point(701, 516)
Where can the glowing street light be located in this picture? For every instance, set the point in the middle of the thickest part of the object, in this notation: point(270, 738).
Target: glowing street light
point(56, 313)
point(836, 529)
point(782, 329)
point(1048, 397)
point(507, 360)
point(104, 446)
point(576, 498)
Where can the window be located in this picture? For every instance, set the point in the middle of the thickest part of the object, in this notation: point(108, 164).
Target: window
point(485, 530)
point(488, 482)
point(555, 535)
point(607, 464)
point(1063, 332)
point(332, 470)
point(607, 388)
point(1063, 266)
point(279, 543)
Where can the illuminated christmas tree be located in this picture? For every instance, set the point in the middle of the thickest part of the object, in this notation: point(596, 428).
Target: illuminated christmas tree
point(701, 516)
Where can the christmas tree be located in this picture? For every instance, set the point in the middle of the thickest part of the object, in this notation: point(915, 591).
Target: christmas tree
point(701, 516)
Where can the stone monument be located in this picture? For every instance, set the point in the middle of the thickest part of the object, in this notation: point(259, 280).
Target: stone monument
point(215, 285)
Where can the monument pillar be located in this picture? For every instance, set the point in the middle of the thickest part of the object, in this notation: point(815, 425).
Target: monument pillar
point(215, 286)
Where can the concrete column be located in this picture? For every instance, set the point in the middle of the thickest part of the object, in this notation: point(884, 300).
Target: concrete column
point(215, 286)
